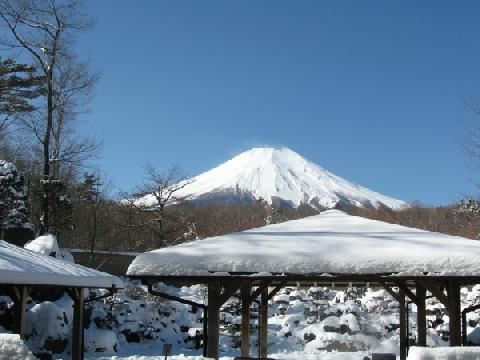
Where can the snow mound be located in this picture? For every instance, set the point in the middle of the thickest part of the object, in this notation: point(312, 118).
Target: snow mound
point(278, 175)
point(45, 245)
point(13, 348)
point(444, 353)
point(331, 242)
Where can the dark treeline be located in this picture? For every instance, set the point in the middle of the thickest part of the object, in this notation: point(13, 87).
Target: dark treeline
point(462, 219)
point(122, 227)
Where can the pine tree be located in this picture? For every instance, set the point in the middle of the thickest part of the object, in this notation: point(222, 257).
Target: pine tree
point(61, 212)
point(469, 206)
point(270, 214)
point(13, 198)
point(19, 85)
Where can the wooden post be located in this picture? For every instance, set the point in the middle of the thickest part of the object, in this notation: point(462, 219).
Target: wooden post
point(403, 326)
point(213, 328)
point(205, 331)
point(454, 313)
point(245, 294)
point(20, 303)
point(421, 315)
point(77, 331)
point(263, 324)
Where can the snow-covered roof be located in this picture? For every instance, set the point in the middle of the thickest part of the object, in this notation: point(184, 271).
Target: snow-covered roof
point(331, 242)
point(26, 267)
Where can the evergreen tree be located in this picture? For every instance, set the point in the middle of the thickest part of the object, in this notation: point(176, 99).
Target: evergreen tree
point(13, 198)
point(61, 211)
point(270, 214)
point(19, 85)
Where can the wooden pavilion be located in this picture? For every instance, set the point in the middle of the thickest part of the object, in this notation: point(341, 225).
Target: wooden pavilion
point(331, 248)
point(24, 273)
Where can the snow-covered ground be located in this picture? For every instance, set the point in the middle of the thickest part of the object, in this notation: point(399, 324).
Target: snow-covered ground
point(304, 324)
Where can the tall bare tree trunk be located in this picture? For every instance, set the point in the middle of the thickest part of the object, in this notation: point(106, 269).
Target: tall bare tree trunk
point(46, 155)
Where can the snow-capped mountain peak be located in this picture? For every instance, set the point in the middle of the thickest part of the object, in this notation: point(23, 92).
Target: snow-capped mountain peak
point(281, 176)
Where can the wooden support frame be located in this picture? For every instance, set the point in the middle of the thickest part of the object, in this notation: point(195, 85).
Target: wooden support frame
point(400, 297)
point(403, 326)
point(403, 286)
point(393, 293)
point(218, 294)
point(436, 284)
point(452, 303)
point(421, 293)
point(275, 290)
point(213, 322)
point(263, 324)
point(245, 330)
point(77, 330)
point(193, 304)
point(436, 290)
point(247, 299)
point(258, 290)
point(20, 302)
point(454, 313)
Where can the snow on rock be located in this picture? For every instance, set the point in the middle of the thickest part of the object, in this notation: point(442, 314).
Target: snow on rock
point(13, 348)
point(48, 245)
point(46, 325)
point(278, 175)
point(331, 242)
point(100, 340)
point(22, 266)
point(454, 353)
point(65, 255)
point(45, 245)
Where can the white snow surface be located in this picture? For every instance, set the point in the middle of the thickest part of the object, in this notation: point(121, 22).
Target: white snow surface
point(13, 348)
point(45, 244)
point(444, 353)
point(279, 173)
point(23, 266)
point(331, 242)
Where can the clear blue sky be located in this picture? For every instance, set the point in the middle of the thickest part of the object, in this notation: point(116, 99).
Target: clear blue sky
point(373, 91)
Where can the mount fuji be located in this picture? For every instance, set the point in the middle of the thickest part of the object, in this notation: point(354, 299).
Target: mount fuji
point(281, 177)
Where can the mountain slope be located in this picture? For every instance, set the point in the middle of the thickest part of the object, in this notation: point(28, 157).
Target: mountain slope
point(281, 176)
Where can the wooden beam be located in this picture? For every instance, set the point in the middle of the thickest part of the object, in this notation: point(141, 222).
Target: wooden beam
point(403, 326)
point(454, 313)
point(258, 290)
point(175, 298)
point(400, 297)
point(229, 290)
point(245, 332)
point(20, 303)
point(263, 325)
point(205, 331)
point(421, 315)
point(435, 290)
point(394, 294)
point(403, 286)
point(213, 327)
point(277, 288)
point(77, 331)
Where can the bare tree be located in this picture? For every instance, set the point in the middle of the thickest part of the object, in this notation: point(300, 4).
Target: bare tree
point(74, 85)
point(45, 29)
point(471, 145)
point(157, 192)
